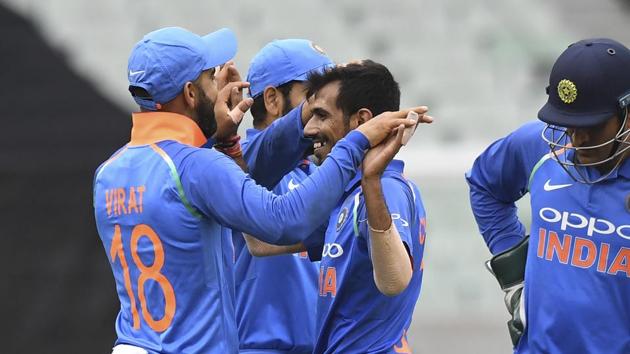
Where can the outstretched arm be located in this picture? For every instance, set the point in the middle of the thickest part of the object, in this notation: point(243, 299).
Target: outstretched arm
point(256, 247)
point(219, 189)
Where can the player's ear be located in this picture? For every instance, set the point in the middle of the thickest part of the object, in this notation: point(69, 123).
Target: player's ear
point(273, 101)
point(190, 95)
point(363, 115)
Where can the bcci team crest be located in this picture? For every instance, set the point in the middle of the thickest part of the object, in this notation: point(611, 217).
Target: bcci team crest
point(567, 91)
point(343, 216)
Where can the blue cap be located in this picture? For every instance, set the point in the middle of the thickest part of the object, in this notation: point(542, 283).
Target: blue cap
point(285, 60)
point(164, 60)
point(589, 84)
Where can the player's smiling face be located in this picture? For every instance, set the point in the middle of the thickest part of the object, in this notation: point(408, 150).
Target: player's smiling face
point(327, 126)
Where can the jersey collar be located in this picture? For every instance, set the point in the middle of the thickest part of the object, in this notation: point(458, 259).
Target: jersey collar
point(151, 127)
point(394, 166)
point(622, 171)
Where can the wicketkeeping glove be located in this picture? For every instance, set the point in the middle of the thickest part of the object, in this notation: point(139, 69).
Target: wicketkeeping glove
point(509, 269)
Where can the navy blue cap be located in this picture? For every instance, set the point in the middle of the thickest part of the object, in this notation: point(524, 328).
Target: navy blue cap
point(285, 60)
point(587, 83)
point(164, 60)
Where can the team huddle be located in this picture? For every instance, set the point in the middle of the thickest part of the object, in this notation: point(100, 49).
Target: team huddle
point(305, 236)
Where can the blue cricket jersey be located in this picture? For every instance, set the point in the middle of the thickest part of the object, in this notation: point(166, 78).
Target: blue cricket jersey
point(164, 209)
point(353, 316)
point(280, 318)
point(499, 177)
point(577, 282)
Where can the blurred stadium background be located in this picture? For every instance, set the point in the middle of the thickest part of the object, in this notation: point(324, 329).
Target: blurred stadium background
point(481, 66)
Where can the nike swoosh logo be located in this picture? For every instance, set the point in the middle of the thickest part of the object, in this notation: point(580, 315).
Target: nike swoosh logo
point(292, 185)
point(552, 187)
point(133, 73)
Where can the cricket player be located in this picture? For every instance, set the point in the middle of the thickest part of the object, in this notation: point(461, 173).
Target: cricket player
point(164, 207)
point(276, 297)
point(371, 254)
point(567, 284)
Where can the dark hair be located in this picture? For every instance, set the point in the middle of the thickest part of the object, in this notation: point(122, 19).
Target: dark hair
point(258, 110)
point(362, 85)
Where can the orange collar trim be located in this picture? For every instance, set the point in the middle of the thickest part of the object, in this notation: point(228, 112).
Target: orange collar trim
point(151, 127)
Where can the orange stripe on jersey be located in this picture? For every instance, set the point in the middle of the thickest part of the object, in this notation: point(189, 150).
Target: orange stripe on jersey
point(111, 159)
point(151, 127)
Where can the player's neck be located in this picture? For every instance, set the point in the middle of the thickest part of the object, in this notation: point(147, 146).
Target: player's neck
point(261, 125)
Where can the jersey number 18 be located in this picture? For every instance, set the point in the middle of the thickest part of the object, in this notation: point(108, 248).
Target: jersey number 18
point(146, 272)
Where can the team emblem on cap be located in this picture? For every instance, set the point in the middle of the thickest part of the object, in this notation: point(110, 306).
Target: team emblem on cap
point(628, 203)
point(318, 49)
point(342, 218)
point(567, 91)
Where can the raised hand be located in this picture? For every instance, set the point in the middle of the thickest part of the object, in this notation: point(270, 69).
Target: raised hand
point(378, 157)
point(230, 107)
point(381, 126)
point(228, 73)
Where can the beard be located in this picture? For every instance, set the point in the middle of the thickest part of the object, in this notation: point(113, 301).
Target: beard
point(205, 116)
point(287, 105)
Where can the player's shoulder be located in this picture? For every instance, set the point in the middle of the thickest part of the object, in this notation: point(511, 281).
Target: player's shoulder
point(396, 185)
point(528, 133)
point(187, 154)
point(522, 148)
point(192, 162)
point(394, 175)
point(394, 179)
point(109, 160)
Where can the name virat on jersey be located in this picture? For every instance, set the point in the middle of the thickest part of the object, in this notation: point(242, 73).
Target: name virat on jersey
point(124, 200)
